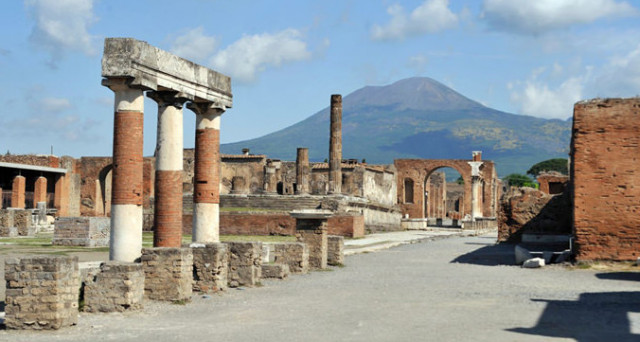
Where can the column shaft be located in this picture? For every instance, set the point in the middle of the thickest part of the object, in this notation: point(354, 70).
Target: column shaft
point(206, 193)
point(335, 146)
point(169, 161)
point(39, 191)
point(302, 171)
point(126, 210)
point(17, 192)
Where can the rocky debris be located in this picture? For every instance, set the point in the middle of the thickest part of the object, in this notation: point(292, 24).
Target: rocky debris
point(278, 271)
point(533, 263)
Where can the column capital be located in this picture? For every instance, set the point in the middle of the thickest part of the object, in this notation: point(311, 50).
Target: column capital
point(207, 108)
point(168, 98)
point(120, 83)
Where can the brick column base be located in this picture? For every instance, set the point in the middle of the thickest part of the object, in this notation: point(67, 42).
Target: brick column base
point(168, 273)
point(210, 267)
point(118, 287)
point(245, 263)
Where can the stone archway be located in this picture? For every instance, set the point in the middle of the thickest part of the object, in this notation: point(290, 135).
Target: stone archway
point(436, 192)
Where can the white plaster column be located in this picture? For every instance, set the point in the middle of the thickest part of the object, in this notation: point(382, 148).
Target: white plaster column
point(476, 189)
point(169, 161)
point(126, 210)
point(206, 193)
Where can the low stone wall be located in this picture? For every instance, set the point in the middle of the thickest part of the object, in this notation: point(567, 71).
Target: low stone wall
point(42, 292)
point(335, 250)
point(278, 271)
point(18, 219)
point(210, 267)
point(82, 231)
point(168, 273)
point(245, 263)
point(293, 254)
point(118, 287)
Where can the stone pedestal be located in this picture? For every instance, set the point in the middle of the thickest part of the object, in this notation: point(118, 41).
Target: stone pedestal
point(335, 250)
point(210, 267)
point(168, 273)
point(311, 229)
point(118, 287)
point(245, 263)
point(293, 254)
point(278, 271)
point(81, 231)
point(42, 292)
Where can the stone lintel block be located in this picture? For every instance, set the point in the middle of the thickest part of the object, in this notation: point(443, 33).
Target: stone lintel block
point(278, 271)
point(210, 267)
point(154, 69)
point(42, 292)
point(118, 287)
point(335, 250)
point(168, 273)
point(245, 263)
point(294, 254)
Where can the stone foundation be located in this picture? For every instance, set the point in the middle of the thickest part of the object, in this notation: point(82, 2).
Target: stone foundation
point(278, 271)
point(16, 222)
point(168, 273)
point(42, 292)
point(118, 287)
point(210, 267)
point(293, 254)
point(82, 231)
point(245, 263)
point(335, 250)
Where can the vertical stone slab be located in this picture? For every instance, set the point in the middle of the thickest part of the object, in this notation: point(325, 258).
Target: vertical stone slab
point(210, 267)
point(17, 192)
point(168, 273)
point(335, 146)
point(118, 287)
point(39, 191)
point(303, 171)
point(293, 254)
point(245, 263)
point(42, 292)
point(335, 250)
point(314, 235)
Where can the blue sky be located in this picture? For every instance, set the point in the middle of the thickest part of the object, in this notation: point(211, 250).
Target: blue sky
point(287, 57)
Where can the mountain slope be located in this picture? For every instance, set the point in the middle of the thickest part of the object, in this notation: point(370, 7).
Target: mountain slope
point(419, 118)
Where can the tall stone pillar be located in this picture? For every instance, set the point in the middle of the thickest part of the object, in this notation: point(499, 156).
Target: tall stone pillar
point(302, 171)
point(206, 192)
point(476, 197)
point(126, 204)
point(270, 178)
point(335, 146)
point(0, 198)
point(39, 191)
point(17, 192)
point(169, 163)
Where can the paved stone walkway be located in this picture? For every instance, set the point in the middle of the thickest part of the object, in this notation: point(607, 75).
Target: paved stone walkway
point(456, 289)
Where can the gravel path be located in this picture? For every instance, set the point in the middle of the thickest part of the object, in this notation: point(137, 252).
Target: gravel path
point(445, 290)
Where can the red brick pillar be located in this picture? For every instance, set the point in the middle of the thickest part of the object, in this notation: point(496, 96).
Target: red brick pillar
point(206, 192)
point(61, 196)
point(169, 152)
point(126, 195)
point(302, 171)
point(39, 191)
point(17, 192)
point(335, 146)
point(0, 198)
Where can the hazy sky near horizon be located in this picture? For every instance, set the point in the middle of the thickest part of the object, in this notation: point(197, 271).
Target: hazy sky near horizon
point(286, 57)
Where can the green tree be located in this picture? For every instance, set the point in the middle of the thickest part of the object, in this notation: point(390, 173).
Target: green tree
point(517, 179)
point(556, 164)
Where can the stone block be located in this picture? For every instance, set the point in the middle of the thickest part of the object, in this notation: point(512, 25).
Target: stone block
point(168, 273)
point(82, 231)
point(522, 254)
point(42, 292)
point(245, 263)
point(316, 241)
point(210, 267)
point(118, 287)
point(278, 271)
point(533, 263)
point(335, 250)
point(293, 254)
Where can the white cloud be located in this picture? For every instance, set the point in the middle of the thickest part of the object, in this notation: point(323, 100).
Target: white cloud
point(194, 45)
point(620, 77)
point(539, 16)
point(62, 25)
point(249, 55)
point(430, 17)
point(536, 97)
point(53, 105)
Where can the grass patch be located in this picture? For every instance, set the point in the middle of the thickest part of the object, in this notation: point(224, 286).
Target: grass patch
point(180, 302)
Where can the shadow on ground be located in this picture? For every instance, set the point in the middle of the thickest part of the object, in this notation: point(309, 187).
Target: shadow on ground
point(632, 276)
point(606, 316)
point(489, 255)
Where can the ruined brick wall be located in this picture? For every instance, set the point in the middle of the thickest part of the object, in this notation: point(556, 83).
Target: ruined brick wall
point(82, 231)
point(527, 210)
point(92, 191)
point(31, 159)
point(552, 182)
point(249, 168)
point(605, 150)
point(379, 185)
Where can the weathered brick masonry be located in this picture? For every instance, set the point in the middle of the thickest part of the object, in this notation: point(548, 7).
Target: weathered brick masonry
point(206, 180)
point(127, 158)
point(168, 209)
point(605, 171)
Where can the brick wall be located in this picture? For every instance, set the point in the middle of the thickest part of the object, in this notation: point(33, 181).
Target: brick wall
point(605, 146)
